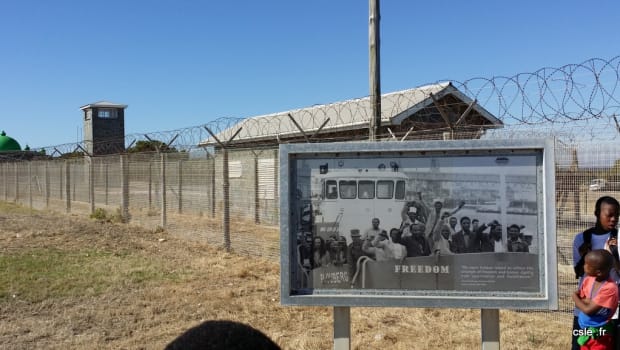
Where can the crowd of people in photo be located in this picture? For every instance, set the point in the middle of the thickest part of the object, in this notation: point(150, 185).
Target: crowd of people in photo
point(424, 231)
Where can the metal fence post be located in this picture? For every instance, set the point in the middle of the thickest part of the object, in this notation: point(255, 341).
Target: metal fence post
point(226, 187)
point(180, 186)
point(67, 186)
point(107, 181)
point(30, 184)
point(47, 184)
point(256, 201)
point(124, 188)
point(74, 183)
point(16, 182)
point(163, 189)
point(212, 186)
point(5, 175)
point(276, 184)
point(226, 198)
point(91, 183)
point(576, 183)
point(62, 181)
point(150, 183)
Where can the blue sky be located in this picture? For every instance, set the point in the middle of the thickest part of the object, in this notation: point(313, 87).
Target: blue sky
point(187, 62)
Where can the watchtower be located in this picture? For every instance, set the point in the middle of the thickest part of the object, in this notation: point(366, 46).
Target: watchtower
point(104, 127)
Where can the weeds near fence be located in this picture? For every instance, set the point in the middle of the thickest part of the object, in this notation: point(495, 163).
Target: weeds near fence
point(103, 215)
point(42, 274)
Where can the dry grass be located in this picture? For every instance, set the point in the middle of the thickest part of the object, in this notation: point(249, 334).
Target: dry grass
point(72, 283)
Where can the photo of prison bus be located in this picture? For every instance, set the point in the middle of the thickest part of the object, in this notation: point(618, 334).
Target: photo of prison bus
point(346, 199)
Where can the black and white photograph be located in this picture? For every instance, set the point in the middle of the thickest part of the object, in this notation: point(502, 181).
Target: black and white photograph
point(421, 221)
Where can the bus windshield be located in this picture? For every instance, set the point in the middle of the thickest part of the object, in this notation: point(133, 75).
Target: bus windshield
point(385, 189)
point(366, 189)
point(348, 189)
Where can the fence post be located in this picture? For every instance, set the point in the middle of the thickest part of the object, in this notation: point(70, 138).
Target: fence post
point(91, 183)
point(107, 180)
point(226, 217)
point(62, 181)
point(157, 180)
point(256, 201)
point(124, 188)
point(47, 184)
point(213, 186)
point(16, 182)
point(163, 188)
point(276, 185)
point(30, 184)
point(575, 186)
point(180, 185)
point(5, 175)
point(226, 187)
point(68, 186)
point(74, 184)
point(150, 183)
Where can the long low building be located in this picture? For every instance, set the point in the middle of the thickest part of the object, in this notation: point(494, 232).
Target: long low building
point(426, 112)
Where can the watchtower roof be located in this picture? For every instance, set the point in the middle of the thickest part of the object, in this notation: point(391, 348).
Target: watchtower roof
point(103, 104)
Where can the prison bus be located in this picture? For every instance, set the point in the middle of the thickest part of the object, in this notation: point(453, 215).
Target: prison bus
point(350, 199)
point(346, 199)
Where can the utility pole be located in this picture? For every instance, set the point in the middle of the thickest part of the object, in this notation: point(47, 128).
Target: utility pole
point(342, 314)
point(374, 69)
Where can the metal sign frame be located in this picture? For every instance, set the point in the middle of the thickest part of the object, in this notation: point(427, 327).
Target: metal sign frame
point(540, 293)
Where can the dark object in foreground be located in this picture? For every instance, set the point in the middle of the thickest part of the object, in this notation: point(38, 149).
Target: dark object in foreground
point(222, 335)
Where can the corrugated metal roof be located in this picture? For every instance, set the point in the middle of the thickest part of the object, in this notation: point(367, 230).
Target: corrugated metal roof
point(344, 115)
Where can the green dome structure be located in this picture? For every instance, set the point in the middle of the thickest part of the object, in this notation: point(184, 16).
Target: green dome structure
point(8, 144)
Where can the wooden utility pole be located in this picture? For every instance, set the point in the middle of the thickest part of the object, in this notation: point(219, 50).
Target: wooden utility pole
point(374, 69)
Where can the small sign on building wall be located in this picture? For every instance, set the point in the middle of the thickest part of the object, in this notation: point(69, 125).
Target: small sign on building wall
point(266, 178)
point(234, 169)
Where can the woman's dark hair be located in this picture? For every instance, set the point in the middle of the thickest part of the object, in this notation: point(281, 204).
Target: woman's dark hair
point(322, 246)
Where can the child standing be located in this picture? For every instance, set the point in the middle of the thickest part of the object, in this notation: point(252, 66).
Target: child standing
point(597, 300)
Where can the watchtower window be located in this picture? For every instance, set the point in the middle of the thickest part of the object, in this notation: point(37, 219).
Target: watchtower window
point(106, 113)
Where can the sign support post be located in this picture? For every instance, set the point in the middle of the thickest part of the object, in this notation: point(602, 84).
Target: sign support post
point(342, 328)
point(489, 329)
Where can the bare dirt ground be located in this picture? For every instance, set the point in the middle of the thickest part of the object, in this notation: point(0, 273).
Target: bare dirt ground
point(69, 282)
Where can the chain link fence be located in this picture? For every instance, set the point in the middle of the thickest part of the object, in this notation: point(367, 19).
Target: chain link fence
point(227, 194)
point(185, 194)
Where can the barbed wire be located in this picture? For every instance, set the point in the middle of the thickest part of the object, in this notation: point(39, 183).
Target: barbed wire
point(584, 91)
point(575, 102)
